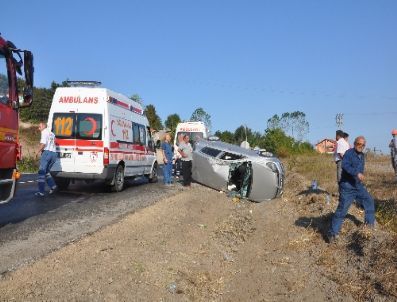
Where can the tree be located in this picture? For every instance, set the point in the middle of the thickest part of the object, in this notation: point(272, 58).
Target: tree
point(172, 121)
point(154, 119)
point(243, 133)
point(276, 141)
point(225, 136)
point(199, 115)
point(42, 100)
point(294, 123)
point(135, 97)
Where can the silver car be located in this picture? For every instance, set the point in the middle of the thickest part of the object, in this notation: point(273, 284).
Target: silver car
point(243, 172)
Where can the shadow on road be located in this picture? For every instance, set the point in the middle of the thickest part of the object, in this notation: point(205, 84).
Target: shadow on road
point(25, 205)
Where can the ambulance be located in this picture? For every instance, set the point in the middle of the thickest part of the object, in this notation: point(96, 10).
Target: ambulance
point(100, 135)
point(196, 131)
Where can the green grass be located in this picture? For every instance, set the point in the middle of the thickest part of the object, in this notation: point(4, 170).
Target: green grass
point(28, 164)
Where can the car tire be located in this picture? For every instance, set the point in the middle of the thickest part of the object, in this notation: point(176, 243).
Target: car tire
point(153, 176)
point(118, 180)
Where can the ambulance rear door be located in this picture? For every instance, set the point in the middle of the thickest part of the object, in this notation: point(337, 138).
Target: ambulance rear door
point(77, 122)
point(88, 154)
point(63, 126)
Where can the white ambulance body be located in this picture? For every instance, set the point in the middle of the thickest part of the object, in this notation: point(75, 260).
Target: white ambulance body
point(195, 130)
point(100, 135)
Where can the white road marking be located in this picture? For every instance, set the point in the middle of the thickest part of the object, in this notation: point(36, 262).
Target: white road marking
point(28, 181)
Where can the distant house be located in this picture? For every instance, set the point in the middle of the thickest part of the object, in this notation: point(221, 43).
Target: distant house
point(326, 145)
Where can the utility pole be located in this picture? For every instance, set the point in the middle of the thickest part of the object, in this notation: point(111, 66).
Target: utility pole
point(339, 120)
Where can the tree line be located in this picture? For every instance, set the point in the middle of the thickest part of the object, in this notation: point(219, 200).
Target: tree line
point(283, 135)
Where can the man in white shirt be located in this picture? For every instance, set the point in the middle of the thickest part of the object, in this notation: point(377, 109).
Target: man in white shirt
point(47, 150)
point(341, 147)
point(393, 151)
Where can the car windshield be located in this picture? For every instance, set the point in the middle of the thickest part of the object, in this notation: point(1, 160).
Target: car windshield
point(4, 93)
point(77, 125)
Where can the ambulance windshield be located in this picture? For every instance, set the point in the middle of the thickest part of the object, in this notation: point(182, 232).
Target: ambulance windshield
point(193, 136)
point(77, 125)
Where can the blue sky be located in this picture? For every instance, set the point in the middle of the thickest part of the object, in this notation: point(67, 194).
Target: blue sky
point(242, 61)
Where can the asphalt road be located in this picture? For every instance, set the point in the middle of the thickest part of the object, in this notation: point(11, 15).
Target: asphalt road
point(31, 227)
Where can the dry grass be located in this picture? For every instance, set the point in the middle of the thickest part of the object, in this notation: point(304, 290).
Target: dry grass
point(364, 261)
point(29, 139)
point(379, 181)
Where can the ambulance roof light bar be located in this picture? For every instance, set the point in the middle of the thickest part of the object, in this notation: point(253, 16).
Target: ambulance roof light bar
point(84, 83)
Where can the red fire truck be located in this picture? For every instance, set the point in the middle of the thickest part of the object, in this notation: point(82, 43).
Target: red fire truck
point(11, 100)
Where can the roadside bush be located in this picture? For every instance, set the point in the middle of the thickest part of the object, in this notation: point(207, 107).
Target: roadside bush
point(276, 141)
point(28, 164)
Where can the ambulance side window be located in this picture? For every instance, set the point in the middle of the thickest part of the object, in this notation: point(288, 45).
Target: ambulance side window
point(150, 142)
point(142, 134)
point(135, 133)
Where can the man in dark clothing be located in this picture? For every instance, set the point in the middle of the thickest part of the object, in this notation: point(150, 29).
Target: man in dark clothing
point(351, 188)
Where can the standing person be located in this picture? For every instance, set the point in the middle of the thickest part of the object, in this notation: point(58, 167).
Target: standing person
point(346, 137)
point(393, 151)
point(167, 157)
point(351, 188)
point(186, 150)
point(341, 147)
point(178, 163)
point(47, 150)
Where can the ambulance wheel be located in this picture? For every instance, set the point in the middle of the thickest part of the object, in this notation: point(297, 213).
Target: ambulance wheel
point(153, 177)
point(62, 183)
point(118, 181)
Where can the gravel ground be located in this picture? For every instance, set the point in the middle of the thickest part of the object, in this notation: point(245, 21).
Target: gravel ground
point(199, 245)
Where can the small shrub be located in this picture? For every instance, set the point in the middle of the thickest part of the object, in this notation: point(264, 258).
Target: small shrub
point(28, 164)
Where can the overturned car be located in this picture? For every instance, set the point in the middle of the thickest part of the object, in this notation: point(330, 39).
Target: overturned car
point(243, 172)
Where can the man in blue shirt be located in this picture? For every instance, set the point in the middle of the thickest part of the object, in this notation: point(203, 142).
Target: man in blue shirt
point(351, 188)
point(167, 157)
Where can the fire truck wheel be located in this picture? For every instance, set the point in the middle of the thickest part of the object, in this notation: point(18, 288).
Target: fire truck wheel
point(118, 181)
point(153, 177)
point(62, 183)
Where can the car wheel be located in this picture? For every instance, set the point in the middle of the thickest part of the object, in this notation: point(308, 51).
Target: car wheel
point(118, 181)
point(62, 183)
point(153, 176)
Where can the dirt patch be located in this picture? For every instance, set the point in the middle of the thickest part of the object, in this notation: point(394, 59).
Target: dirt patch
point(200, 245)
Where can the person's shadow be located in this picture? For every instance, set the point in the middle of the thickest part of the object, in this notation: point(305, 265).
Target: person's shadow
point(319, 224)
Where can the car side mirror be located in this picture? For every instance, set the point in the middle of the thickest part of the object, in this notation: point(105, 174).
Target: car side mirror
point(27, 97)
